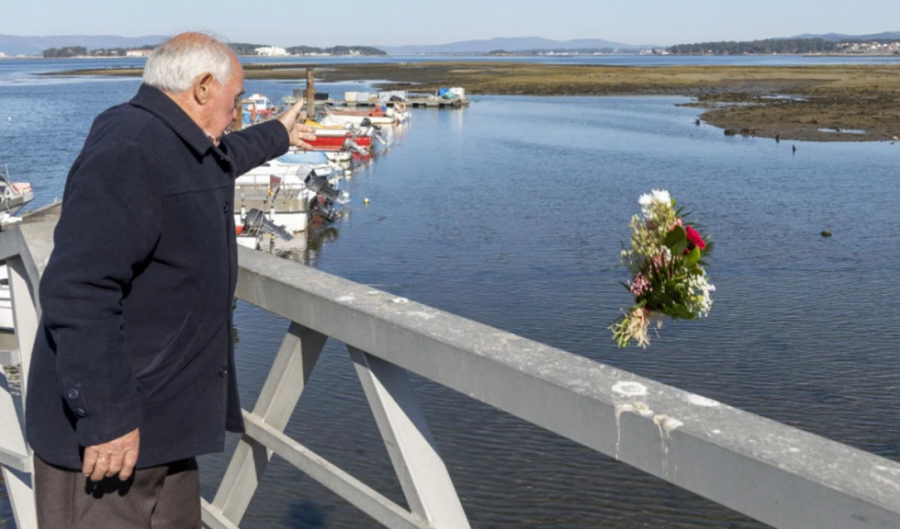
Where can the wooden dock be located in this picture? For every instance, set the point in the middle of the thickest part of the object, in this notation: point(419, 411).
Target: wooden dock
point(430, 101)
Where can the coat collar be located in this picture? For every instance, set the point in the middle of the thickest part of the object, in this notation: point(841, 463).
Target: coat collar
point(159, 104)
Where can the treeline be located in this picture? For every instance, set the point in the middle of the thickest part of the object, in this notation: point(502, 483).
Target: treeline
point(81, 51)
point(571, 51)
point(768, 46)
point(239, 48)
point(71, 51)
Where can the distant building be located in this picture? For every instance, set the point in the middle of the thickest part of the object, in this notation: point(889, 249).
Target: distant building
point(138, 53)
point(271, 51)
point(2, 55)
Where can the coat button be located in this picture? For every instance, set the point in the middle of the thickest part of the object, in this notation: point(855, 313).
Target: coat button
point(223, 372)
point(225, 207)
point(80, 412)
point(72, 394)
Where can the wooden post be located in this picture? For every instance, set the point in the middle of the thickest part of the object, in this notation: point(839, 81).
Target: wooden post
point(238, 123)
point(310, 94)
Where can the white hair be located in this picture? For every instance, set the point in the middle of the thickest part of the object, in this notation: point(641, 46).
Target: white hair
point(173, 66)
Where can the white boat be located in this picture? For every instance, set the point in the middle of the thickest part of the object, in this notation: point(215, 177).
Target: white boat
point(289, 207)
point(336, 120)
point(254, 108)
point(339, 156)
point(13, 197)
point(251, 239)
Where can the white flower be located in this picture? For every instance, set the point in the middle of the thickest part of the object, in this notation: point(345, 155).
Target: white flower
point(701, 288)
point(658, 197)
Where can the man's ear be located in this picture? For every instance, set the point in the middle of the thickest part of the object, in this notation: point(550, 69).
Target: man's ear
point(203, 88)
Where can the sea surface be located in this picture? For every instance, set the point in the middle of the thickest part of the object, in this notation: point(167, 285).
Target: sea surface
point(512, 212)
point(12, 70)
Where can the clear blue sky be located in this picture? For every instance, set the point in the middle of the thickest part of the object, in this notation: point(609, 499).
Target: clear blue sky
point(413, 22)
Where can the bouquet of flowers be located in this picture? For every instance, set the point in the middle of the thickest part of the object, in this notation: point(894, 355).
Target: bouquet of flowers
point(666, 265)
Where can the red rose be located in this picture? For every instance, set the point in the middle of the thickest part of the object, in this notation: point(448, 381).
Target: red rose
point(694, 239)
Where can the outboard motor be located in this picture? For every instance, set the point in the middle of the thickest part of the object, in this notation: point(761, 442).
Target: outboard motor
point(366, 122)
point(322, 205)
point(352, 146)
point(256, 220)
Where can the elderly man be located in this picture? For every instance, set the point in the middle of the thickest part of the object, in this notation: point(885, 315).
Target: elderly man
point(132, 375)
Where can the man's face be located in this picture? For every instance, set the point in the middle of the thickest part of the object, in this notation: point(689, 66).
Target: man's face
point(225, 103)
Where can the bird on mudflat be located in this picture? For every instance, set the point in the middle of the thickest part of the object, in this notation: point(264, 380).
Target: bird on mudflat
point(794, 147)
point(778, 138)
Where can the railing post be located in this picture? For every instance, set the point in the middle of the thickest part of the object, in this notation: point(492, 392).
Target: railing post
point(25, 314)
point(19, 483)
point(414, 454)
point(291, 370)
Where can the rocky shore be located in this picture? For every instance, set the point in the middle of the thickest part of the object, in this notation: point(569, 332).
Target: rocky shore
point(817, 103)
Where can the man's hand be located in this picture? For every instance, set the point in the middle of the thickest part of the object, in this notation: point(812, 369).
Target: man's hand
point(115, 457)
point(293, 122)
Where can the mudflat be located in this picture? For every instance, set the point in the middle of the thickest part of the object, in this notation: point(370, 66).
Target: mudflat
point(819, 103)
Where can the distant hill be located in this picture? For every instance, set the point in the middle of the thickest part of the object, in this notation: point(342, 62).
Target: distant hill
point(509, 44)
point(22, 45)
point(839, 37)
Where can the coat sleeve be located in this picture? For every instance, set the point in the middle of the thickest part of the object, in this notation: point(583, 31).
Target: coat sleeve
point(256, 145)
point(110, 223)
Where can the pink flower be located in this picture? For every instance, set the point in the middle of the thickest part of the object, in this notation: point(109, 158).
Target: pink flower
point(640, 285)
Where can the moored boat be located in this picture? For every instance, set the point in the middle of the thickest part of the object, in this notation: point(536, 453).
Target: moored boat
point(13, 197)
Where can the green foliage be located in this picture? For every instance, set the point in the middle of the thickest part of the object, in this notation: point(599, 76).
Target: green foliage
point(69, 51)
point(676, 240)
point(81, 51)
point(757, 47)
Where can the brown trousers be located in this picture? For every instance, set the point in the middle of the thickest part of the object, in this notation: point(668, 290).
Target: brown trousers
point(163, 497)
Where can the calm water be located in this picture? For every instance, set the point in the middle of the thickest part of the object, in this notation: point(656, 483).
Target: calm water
point(11, 70)
point(512, 213)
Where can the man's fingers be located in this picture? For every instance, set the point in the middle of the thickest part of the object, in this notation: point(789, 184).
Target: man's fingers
point(115, 465)
point(100, 468)
point(90, 459)
point(128, 463)
point(297, 109)
point(303, 145)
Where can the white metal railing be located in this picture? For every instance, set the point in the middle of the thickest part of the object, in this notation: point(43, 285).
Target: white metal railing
point(774, 473)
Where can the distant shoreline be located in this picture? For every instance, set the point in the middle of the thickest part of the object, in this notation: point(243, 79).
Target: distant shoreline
point(511, 54)
point(813, 103)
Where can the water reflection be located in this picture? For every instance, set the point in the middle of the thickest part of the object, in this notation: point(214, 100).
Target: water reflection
point(305, 247)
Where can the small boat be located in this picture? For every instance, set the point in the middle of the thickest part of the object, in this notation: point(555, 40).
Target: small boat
point(257, 189)
point(13, 197)
point(256, 108)
point(248, 238)
point(319, 161)
point(339, 156)
point(364, 130)
point(333, 119)
point(337, 143)
point(359, 119)
point(283, 191)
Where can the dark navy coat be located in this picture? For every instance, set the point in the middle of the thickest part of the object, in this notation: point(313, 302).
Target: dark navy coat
point(138, 294)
